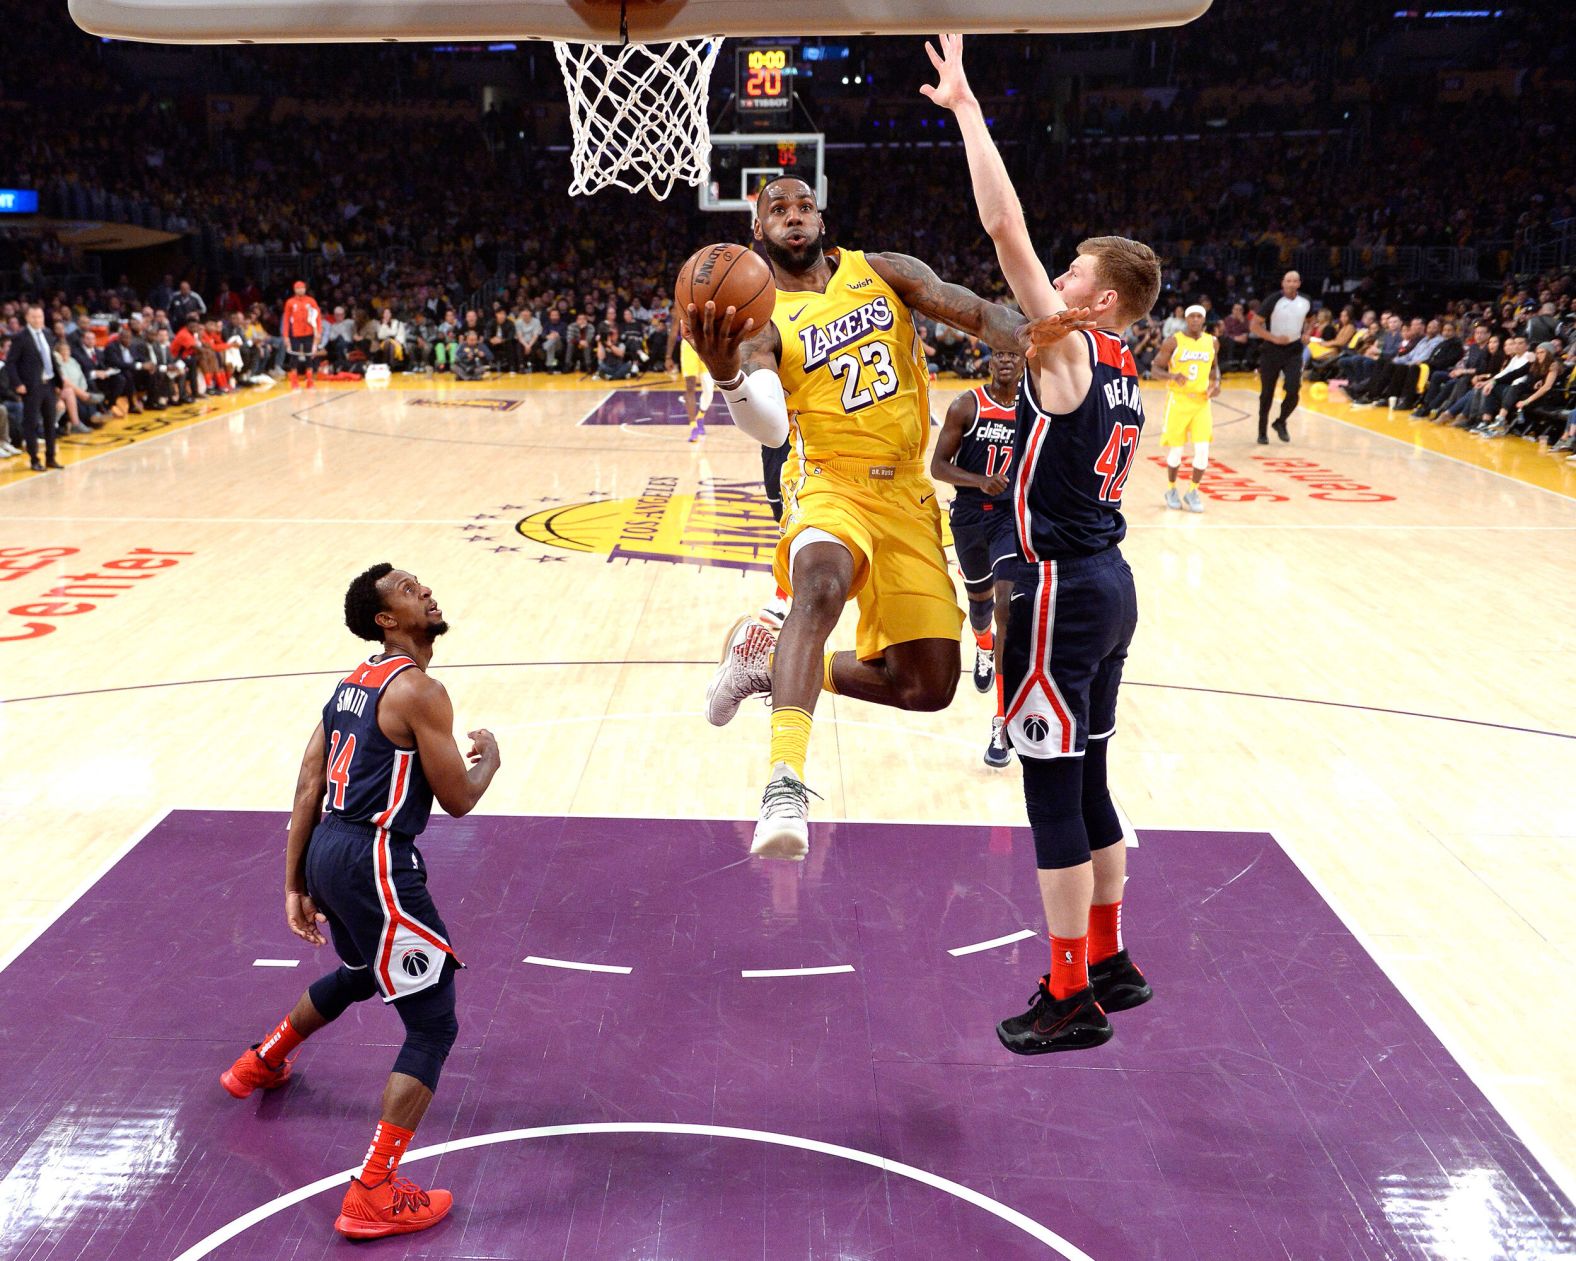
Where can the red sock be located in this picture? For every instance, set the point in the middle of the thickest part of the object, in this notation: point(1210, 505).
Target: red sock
point(986, 639)
point(1001, 700)
point(388, 1145)
point(1069, 966)
point(781, 594)
point(273, 1049)
point(1105, 931)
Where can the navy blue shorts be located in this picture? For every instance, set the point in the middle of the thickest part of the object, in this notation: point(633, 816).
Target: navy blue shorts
point(372, 886)
point(1068, 628)
point(986, 542)
point(772, 459)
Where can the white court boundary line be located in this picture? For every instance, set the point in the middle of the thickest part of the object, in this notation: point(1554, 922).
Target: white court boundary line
point(81, 891)
point(1454, 459)
point(759, 973)
point(542, 961)
point(1023, 934)
point(276, 963)
point(968, 1195)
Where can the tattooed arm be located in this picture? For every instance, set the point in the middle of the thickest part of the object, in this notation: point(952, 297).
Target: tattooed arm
point(920, 288)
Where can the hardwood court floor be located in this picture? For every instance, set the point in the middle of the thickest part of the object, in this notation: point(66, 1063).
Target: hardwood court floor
point(1364, 647)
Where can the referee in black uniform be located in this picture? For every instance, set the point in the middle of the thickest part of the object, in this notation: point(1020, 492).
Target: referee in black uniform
point(1280, 322)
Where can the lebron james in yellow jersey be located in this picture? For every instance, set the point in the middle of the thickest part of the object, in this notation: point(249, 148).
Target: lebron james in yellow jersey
point(840, 370)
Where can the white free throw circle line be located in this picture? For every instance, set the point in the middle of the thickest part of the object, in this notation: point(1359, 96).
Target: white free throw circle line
point(1011, 1216)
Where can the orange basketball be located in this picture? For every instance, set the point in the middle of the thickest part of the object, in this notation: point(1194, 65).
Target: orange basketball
point(729, 275)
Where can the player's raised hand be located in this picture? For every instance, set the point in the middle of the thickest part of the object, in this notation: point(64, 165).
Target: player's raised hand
point(715, 337)
point(953, 88)
point(1039, 334)
point(302, 915)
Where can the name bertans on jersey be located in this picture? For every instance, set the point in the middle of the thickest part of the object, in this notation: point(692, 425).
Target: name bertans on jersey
point(819, 343)
point(1123, 392)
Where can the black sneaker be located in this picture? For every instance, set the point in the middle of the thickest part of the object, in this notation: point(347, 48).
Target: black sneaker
point(998, 753)
point(1069, 1024)
point(1264, 440)
point(984, 669)
point(1280, 431)
point(1118, 984)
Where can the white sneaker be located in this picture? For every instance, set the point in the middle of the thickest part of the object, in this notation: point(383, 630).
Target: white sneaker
point(783, 830)
point(744, 671)
point(1192, 502)
point(7, 451)
point(1173, 500)
point(775, 612)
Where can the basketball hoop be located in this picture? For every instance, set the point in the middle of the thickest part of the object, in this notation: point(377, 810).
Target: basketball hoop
point(637, 113)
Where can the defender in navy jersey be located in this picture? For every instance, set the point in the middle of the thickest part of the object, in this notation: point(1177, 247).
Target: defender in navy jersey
point(974, 452)
point(382, 751)
point(1073, 607)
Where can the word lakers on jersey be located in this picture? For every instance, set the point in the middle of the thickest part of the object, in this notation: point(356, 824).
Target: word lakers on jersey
point(1188, 414)
point(859, 423)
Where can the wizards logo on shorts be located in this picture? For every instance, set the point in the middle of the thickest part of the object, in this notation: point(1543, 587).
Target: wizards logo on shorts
point(1036, 727)
point(414, 963)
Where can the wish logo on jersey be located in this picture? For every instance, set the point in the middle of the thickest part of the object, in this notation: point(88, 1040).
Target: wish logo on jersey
point(819, 343)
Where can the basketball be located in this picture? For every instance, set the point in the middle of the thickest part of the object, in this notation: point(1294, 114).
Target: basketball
point(729, 275)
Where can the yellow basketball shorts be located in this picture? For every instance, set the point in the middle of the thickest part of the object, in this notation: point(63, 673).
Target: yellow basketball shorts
point(689, 362)
point(887, 516)
point(1187, 419)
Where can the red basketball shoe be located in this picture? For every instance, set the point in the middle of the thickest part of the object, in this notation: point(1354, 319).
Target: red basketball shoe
point(394, 1206)
point(249, 1073)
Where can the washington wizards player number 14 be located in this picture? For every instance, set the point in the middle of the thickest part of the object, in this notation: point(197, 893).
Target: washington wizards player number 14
point(1073, 608)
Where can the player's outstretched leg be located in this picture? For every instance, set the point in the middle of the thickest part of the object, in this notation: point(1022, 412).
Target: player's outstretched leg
point(1063, 1013)
point(823, 571)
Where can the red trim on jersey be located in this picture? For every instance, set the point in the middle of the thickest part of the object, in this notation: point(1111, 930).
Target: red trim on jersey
point(402, 762)
point(989, 409)
point(377, 676)
point(394, 915)
point(1039, 655)
point(1027, 460)
point(1112, 351)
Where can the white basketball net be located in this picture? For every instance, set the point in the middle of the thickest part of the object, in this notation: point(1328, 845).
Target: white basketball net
point(638, 113)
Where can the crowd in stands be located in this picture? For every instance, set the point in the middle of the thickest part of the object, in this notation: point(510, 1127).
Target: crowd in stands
point(437, 238)
point(1501, 368)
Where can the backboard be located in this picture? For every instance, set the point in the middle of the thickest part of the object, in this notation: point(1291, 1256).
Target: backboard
point(741, 164)
point(598, 21)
